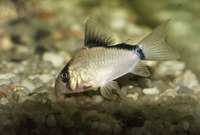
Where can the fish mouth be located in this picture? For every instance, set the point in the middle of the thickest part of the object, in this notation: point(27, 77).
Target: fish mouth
point(62, 88)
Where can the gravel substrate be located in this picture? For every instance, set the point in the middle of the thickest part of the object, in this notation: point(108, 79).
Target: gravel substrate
point(36, 44)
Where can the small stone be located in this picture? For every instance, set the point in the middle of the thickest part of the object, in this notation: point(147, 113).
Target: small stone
point(52, 98)
point(117, 129)
point(2, 111)
point(97, 99)
point(94, 125)
point(42, 89)
point(186, 125)
point(41, 33)
point(187, 79)
point(45, 78)
point(133, 96)
point(28, 84)
point(151, 91)
point(40, 49)
point(51, 120)
point(24, 98)
point(38, 117)
point(91, 115)
point(20, 93)
point(56, 59)
point(123, 92)
point(37, 82)
point(65, 121)
point(16, 39)
point(2, 82)
point(4, 101)
point(170, 68)
point(7, 76)
point(136, 131)
point(5, 43)
point(104, 128)
point(170, 92)
point(126, 110)
point(196, 89)
point(61, 99)
point(183, 90)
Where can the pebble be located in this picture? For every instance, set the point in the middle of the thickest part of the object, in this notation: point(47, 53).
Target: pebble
point(133, 96)
point(51, 120)
point(170, 68)
point(136, 131)
point(56, 59)
point(183, 90)
point(7, 76)
point(4, 101)
point(94, 125)
point(104, 128)
point(97, 99)
point(2, 111)
point(2, 82)
point(45, 78)
point(37, 82)
point(28, 84)
point(24, 98)
point(117, 129)
point(52, 98)
point(187, 79)
point(91, 115)
point(65, 121)
point(170, 92)
point(186, 125)
point(38, 117)
point(196, 89)
point(123, 92)
point(5, 43)
point(151, 91)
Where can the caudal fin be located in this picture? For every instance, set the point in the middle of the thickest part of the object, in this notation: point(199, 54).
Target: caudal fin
point(154, 46)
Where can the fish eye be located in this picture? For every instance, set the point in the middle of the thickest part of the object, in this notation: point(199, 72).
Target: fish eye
point(64, 75)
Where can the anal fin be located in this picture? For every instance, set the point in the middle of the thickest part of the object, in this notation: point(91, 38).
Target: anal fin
point(141, 70)
point(106, 90)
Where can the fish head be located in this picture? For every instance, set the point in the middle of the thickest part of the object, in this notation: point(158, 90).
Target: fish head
point(67, 82)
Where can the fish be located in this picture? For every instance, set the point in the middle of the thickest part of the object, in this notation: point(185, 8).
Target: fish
point(101, 60)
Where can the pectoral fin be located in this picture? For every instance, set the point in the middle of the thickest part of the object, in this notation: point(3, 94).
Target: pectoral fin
point(106, 90)
point(141, 70)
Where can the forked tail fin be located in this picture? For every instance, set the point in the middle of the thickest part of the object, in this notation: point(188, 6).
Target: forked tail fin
point(154, 46)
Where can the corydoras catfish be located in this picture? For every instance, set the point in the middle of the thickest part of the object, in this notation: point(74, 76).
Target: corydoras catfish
point(101, 61)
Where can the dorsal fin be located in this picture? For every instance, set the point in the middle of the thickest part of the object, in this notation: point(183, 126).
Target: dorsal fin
point(141, 70)
point(95, 35)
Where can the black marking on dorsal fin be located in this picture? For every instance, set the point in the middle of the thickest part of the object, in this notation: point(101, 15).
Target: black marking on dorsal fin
point(95, 35)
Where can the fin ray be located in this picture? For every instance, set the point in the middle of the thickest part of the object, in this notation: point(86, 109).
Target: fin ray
point(154, 46)
point(95, 35)
point(141, 70)
point(106, 89)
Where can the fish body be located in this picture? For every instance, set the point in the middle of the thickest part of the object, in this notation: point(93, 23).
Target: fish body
point(101, 61)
